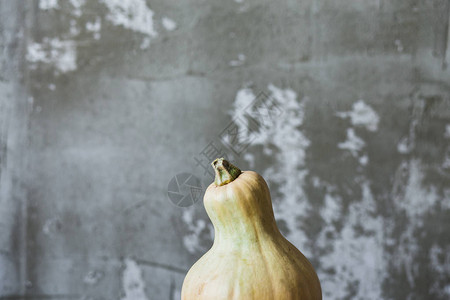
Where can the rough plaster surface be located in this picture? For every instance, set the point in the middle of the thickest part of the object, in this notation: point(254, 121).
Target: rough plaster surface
point(102, 102)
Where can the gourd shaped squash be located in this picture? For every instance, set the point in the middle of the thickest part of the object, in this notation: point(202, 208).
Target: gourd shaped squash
point(250, 259)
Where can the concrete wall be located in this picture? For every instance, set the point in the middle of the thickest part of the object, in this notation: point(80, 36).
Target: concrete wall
point(103, 102)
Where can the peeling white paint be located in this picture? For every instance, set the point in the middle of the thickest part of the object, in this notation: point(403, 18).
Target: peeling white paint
point(169, 24)
point(250, 158)
point(440, 259)
point(364, 160)
point(74, 30)
point(362, 115)
point(51, 226)
point(131, 14)
point(354, 258)
point(239, 62)
point(95, 27)
point(244, 97)
point(440, 264)
point(415, 202)
point(417, 199)
point(145, 43)
point(48, 4)
point(93, 277)
point(283, 134)
point(399, 45)
point(353, 143)
point(132, 282)
point(244, 7)
point(46, 227)
point(316, 182)
point(192, 240)
point(77, 5)
point(60, 54)
point(446, 163)
point(447, 131)
point(332, 210)
point(405, 146)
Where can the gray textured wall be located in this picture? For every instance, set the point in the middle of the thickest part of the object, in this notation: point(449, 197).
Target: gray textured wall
point(102, 102)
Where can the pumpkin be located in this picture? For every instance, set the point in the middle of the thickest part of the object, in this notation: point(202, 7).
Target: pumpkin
point(250, 258)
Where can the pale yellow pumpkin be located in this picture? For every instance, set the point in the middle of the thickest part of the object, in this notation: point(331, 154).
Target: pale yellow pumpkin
point(250, 259)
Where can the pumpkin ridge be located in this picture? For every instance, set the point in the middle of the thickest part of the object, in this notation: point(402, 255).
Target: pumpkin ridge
point(302, 263)
point(252, 198)
point(266, 265)
point(236, 278)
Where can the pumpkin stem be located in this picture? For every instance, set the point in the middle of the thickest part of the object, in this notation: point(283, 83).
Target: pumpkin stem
point(225, 171)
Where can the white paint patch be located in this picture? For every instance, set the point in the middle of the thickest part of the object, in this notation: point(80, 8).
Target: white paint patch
point(364, 160)
point(405, 146)
point(446, 163)
point(52, 226)
point(95, 27)
point(440, 264)
point(353, 143)
point(48, 4)
point(332, 209)
point(250, 158)
point(145, 43)
point(60, 54)
point(399, 45)
point(93, 277)
point(192, 241)
point(239, 62)
point(169, 24)
point(283, 134)
point(362, 115)
point(447, 131)
point(74, 30)
point(244, 97)
point(131, 14)
point(316, 182)
point(132, 282)
point(244, 7)
point(77, 5)
point(415, 202)
point(354, 257)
